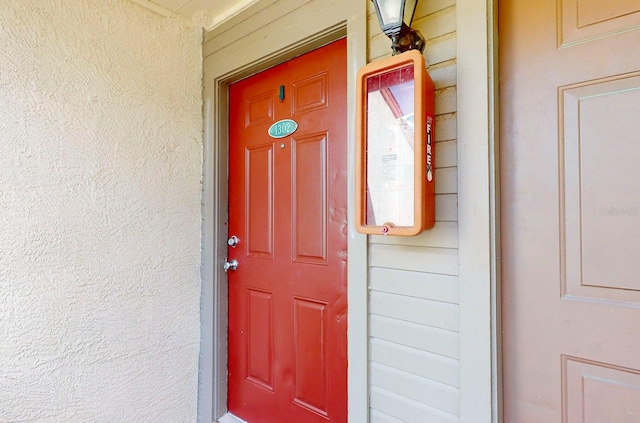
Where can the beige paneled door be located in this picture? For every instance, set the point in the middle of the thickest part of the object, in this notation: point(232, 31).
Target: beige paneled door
point(570, 169)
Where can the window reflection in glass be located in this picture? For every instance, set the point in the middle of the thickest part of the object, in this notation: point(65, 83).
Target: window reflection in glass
point(390, 148)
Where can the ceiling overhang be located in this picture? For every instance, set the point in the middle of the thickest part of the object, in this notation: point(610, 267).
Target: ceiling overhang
point(204, 13)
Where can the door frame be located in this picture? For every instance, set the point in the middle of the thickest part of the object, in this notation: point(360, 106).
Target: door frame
point(235, 50)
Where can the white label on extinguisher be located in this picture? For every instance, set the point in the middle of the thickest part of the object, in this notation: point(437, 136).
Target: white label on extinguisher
point(429, 153)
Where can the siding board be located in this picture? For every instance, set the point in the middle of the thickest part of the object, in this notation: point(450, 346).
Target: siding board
point(379, 45)
point(431, 366)
point(437, 51)
point(415, 310)
point(424, 8)
point(262, 14)
point(407, 410)
point(446, 100)
point(446, 180)
point(443, 74)
point(299, 15)
point(434, 394)
point(442, 261)
point(380, 417)
point(446, 129)
point(436, 24)
point(446, 154)
point(438, 30)
point(446, 207)
point(228, 33)
point(425, 338)
point(441, 49)
point(443, 235)
point(415, 284)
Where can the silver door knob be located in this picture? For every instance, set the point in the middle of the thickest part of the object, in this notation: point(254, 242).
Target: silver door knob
point(233, 241)
point(230, 265)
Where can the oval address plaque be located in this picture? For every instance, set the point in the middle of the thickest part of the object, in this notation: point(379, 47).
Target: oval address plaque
point(283, 128)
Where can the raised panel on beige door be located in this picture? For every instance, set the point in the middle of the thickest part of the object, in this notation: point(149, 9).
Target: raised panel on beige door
point(591, 12)
point(585, 20)
point(593, 392)
point(601, 213)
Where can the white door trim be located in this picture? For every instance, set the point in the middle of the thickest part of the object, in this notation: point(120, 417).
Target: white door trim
point(478, 196)
point(267, 33)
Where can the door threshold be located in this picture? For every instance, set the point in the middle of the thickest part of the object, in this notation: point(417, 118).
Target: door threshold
point(230, 418)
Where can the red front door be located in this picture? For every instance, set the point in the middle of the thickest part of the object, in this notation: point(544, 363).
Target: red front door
point(287, 207)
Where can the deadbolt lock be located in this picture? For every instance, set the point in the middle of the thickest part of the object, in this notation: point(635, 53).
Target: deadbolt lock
point(233, 241)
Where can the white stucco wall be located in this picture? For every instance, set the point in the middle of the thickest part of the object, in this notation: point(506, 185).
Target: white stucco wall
point(100, 183)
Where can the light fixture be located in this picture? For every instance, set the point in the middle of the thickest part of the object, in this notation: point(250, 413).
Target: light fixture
point(395, 18)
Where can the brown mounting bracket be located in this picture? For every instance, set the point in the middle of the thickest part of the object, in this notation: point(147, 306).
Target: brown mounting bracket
point(408, 39)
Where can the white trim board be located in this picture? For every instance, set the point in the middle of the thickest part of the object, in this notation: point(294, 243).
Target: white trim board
point(265, 34)
point(477, 212)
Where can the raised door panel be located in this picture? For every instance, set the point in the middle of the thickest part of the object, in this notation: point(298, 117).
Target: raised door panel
point(599, 127)
point(309, 198)
point(585, 20)
point(310, 346)
point(259, 200)
point(597, 392)
point(260, 348)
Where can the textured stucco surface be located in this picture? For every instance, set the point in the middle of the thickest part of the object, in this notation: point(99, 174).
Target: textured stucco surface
point(100, 181)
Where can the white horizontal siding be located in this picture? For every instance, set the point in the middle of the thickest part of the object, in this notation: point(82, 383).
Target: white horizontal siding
point(438, 29)
point(443, 74)
point(442, 235)
point(446, 100)
point(414, 335)
point(446, 208)
point(443, 288)
point(424, 8)
point(446, 129)
point(434, 25)
point(446, 180)
point(447, 154)
point(416, 310)
point(442, 261)
point(440, 50)
point(414, 294)
point(380, 417)
point(434, 394)
point(407, 410)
